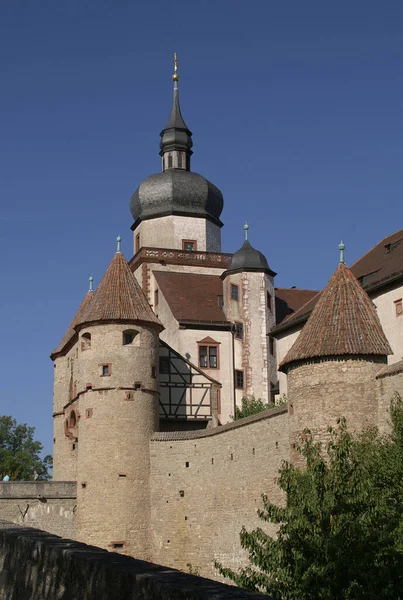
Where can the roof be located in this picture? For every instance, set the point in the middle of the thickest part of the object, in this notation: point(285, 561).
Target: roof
point(247, 258)
point(192, 297)
point(344, 321)
point(289, 300)
point(119, 298)
point(380, 265)
point(71, 333)
point(389, 370)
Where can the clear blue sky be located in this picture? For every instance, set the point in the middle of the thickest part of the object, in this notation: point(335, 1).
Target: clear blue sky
point(296, 111)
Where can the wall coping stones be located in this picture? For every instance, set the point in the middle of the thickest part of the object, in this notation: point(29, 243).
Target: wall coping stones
point(166, 436)
point(389, 370)
point(35, 565)
point(38, 489)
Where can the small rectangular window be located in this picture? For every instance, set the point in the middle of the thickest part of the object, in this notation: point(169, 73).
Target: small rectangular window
point(268, 301)
point(239, 331)
point(239, 380)
point(208, 357)
point(234, 292)
point(213, 357)
point(165, 365)
point(220, 301)
point(189, 245)
point(398, 307)
point(106, 370)
point(203, 356)
point(155, 298)
point(137, 246)
point(272, 346)
point(153, 372)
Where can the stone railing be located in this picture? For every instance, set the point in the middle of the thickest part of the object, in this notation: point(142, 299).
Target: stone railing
point(166, 255)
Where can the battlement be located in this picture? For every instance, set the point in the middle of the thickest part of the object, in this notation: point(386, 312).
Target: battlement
point(79, 571)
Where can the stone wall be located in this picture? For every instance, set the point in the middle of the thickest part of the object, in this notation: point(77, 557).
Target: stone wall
point(206, 485)
point(48, 505)
point(38, 566)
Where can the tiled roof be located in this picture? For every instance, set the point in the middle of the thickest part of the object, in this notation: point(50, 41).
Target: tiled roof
point(376, 268)
point(289, 300)
point(119, 297)
point(70, 333)
point(391, 370)
point(344, 321)
point(192, 297)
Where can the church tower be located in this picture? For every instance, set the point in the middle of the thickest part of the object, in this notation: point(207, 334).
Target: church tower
point(177, 208)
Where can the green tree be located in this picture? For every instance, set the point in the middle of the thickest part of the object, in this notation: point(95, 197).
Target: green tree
point(20, 453)
point(250, 406)
point(340, 532)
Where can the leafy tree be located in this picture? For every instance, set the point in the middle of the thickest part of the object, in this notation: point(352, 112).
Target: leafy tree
point(340, 533)
point(250, 406)
point(20, 453)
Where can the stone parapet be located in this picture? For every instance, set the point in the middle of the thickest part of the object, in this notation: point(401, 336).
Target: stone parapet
point(25, 490)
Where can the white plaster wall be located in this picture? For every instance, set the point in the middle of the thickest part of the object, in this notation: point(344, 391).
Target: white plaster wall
point(282, 345)
point(392, 324)
point(169, 231)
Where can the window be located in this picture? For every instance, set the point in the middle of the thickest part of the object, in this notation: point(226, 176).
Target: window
point(189, 245)
point(239, 380)
point(155, 298)
point(399, 307)
point(220, 301)
point(129, 336)
point(268, 301)
point(106, 370)
point(234, 292)
point(72, 419)
point(137, 243)
point(169, 161)
point(180, 160)
point(154, 372)
point(165, 365)
point(85, 341)
point(208, 357)
point(239, 331)
point(272, 347)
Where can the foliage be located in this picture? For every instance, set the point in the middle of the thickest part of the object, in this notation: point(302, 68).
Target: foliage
point(193, 570)
point(340, 533)
point(250, 406)
point(20, 453)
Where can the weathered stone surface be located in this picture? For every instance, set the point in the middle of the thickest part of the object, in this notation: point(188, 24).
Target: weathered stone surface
point(37, 566)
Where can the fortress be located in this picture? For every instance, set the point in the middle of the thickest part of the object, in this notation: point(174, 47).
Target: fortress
point(156, 358)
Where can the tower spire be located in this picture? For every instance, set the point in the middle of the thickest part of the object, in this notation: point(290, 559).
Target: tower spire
point(246, 227)
point(341, 248)
point(176, 138)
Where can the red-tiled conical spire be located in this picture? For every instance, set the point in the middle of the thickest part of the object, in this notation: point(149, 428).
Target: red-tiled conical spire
point(119, 297)
point(71, 333)
point(343, 322)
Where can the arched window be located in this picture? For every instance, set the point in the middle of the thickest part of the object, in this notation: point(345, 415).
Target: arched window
point(180, 160)
point(169, 161)
point(85, 341)
point(129, 335)
point(72, 419)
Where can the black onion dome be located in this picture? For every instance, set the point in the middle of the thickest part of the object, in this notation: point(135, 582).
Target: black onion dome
point(179, 192)
point(248, 259)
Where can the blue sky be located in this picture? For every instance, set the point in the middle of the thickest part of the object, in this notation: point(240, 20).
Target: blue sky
point(296, 113)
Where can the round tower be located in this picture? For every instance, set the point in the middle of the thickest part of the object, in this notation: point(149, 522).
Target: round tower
point(119, 407)
point(332, 365)
point(250, 306)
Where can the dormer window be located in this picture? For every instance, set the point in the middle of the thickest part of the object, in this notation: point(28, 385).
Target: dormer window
point(129, 336)
point(85, 341)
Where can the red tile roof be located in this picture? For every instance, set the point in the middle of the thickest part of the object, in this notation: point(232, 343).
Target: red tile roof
point(71, 333)
point(192, 297)
point(119, 298)
point(289, 300)
point(380, 265)
point(389, 370)
point(344, 321)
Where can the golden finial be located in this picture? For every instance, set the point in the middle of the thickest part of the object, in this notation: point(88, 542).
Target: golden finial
point(175, 76)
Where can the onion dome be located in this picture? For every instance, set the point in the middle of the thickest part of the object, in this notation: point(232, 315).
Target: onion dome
point(176, 191)
point(119, 298)
point(343, 322)
point(247, 258)
point(70, 335)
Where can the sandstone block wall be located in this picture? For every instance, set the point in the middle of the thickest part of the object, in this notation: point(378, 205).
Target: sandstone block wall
point(48, 505)
point(38, 566)
point(206, 485)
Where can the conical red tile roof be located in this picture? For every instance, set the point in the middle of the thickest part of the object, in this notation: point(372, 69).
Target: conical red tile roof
point(119, 298)
point(344, 321)
point(70, 333)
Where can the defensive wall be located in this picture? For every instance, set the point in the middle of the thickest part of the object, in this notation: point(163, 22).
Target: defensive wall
point(205, 485)
point(48, 505)
point(35, 565)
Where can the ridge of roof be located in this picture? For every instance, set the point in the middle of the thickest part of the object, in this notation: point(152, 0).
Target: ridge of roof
point(70, 332)
point(119, 298)
point(343, 322)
